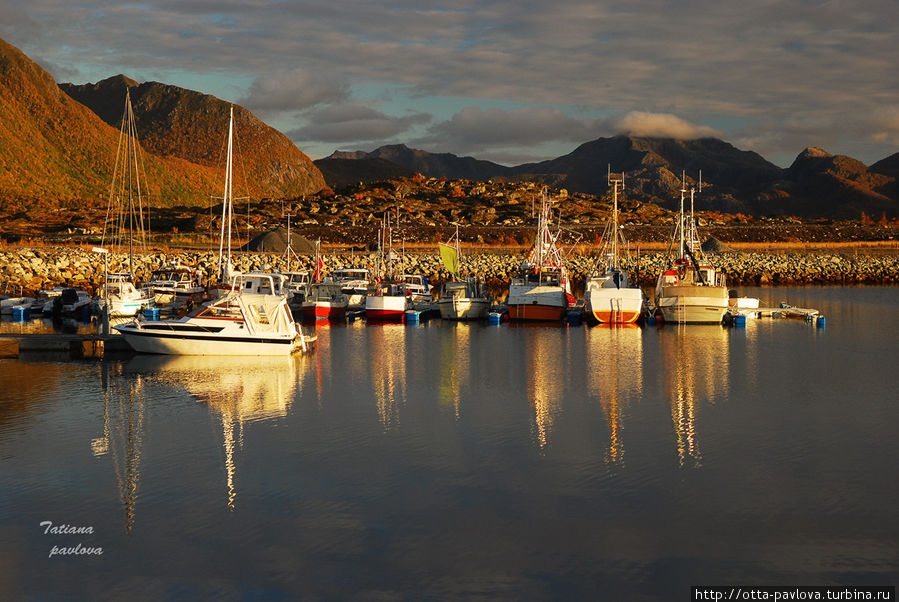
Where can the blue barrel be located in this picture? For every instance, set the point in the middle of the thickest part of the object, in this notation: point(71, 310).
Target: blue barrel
point(151, 313)
point(820, 322)
point(739, 320)
point(573, 318)
point(494, 318)
point(411, 317)
point(20, 313)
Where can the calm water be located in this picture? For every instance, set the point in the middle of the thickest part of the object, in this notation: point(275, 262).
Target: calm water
point(465, 461)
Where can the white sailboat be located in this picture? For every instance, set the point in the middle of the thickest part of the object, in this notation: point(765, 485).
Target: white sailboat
point(460, 299)
point(124, 219)
point(690, 290)
point(609, 296)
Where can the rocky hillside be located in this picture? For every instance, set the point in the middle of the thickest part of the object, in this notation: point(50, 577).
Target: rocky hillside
point(54, 151)
point(179, 123)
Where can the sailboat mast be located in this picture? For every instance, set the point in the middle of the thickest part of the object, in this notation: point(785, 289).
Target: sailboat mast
point(226, 203)
point(683, 191)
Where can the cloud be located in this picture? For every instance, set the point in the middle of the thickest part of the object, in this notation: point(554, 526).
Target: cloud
point(662, 125)
point(292, 90)
point(752, 62)
point(353, 123)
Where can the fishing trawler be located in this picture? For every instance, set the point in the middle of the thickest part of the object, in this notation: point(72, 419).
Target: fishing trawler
point(690, 290)
point(541, 292)
point(609, 296)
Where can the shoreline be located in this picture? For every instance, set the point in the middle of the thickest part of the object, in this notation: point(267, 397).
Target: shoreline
point(28, 270)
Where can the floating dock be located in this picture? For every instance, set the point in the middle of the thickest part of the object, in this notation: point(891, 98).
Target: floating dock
point(78, 345)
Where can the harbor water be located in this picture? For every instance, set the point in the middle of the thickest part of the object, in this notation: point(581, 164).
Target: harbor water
point(464, 461)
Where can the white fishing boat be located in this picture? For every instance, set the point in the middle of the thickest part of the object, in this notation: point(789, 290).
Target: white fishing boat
point(743, 306)
point(7, 306)
point(123, 227)
point(460, 299)
point(609, 295)
point(541, 292)
point(690, 290)
point(240, 323)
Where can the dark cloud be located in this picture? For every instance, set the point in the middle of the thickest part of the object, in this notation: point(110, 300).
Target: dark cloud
point(353, 123)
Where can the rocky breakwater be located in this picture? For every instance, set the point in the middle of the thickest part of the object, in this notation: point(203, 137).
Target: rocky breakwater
point(32, 270)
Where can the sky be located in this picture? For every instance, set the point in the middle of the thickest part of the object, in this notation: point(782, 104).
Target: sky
point(511, 81)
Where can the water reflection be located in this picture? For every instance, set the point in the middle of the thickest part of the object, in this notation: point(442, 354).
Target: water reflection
point(695, 362)
point(124, 402)
point(455, 362)
point(614, 369)
point(387, 354)
point(239, 389)
point(545, 379)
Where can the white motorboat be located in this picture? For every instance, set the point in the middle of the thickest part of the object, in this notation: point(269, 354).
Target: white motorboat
point(690, 290)
point(609, 295)
point(121, 297)
point(240, 323)
point(173, 283)
point(297, 285)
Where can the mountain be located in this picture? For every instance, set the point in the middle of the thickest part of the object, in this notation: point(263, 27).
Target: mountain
point(654, 167)
point(343, 172)
point(56, 151)
point(435, 165)
point(179, 123)
point(818, 184)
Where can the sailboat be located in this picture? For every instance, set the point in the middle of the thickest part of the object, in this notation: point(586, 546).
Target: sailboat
point(542, 291)
point(460, 299)
point(609, 296)
point(124, 218)
point(690, 290)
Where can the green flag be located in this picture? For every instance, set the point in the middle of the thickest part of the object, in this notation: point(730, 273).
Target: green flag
point(450, 258)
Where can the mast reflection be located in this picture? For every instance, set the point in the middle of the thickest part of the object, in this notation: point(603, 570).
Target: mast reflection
point(545, 377)
point(455, 362)
point(614, 373)
point(122, 440)
point(695, 369)
point(387, 352)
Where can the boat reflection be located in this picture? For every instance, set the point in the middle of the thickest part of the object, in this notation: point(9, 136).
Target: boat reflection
point(614, 364)
point(695, 370)
point(545, 378)
point(387, 355)
point(123, 425)
point(455, 362)
point(239, 388)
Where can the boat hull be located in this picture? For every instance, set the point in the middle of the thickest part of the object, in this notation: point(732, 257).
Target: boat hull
point(463, 308)
point(323, 310)
point(692, 304)
point(386, 307)
point(613, 305)
point(144, 340)
point(537, 303)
